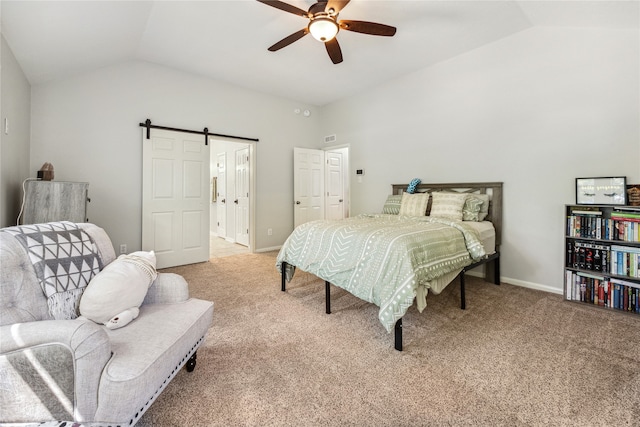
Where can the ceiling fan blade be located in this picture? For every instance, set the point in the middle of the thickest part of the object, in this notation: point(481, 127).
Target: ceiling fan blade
point(286, 7)
point(334, 51)
point(336, 5)
point(289, 39)
point(367, 28)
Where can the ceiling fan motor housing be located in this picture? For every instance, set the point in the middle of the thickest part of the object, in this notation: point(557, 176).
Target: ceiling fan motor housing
point(323, 27)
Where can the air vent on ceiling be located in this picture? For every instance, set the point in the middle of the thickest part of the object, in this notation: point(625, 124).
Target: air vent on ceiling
point(329, 139)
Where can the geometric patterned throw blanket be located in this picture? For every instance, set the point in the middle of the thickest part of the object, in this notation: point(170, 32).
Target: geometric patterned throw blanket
point(65, 259)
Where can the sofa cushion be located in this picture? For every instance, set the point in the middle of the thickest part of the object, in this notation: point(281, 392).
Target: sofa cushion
point(144, 361)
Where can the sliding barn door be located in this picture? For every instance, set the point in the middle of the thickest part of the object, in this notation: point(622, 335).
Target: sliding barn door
point(175, 197)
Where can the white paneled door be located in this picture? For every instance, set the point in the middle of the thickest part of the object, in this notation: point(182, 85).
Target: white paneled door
point(175, 197)
point(336, 202)
point(221, 199)
point(308, 183)
point(242, 196)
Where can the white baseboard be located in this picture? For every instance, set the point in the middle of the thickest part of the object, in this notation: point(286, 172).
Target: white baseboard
point(272, 248)
point(516, 282)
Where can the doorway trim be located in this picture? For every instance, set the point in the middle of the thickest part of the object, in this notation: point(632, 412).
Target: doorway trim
point(252, 186)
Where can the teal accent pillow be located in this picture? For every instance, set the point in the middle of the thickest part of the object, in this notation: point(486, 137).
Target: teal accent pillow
point(412, 185)
point(392, 205)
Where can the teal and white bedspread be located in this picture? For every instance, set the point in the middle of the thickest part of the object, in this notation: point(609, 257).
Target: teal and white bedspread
point(387, 260)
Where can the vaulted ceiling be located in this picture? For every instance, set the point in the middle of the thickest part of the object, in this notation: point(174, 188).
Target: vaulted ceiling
point(228, 40)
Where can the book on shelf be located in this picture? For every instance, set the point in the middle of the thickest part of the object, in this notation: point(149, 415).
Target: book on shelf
point(625, 261)
point(588, 256)
point(634, 217)
point(585, 212)
point(627, 208)
point(623, 282)
point(603, 291)
point(602, 251)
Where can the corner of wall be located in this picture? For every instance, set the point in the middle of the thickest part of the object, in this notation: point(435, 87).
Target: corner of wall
point(15, 131)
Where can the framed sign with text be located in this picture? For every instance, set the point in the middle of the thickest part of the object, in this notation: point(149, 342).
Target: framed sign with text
point(601, 191)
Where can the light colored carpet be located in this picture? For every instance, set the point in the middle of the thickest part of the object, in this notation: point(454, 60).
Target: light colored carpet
point(514, 357)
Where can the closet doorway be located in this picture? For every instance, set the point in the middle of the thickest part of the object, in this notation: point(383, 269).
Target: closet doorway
point(232, 213)
point(321, 184)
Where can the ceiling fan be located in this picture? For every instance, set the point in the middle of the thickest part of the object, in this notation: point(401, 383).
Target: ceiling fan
point(324, 25)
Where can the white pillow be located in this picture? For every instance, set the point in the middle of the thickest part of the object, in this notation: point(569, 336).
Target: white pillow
point(414, 204)
point(119, 287)
point(447, 205)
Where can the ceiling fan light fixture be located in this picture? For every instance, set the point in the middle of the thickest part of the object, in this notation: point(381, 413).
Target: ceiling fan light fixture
point(323, 29)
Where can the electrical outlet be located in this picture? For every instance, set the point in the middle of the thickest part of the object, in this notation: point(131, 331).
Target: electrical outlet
point(123, 249)
point(269, 232)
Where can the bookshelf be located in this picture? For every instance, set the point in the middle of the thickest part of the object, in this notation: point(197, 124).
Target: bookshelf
point(602, 256)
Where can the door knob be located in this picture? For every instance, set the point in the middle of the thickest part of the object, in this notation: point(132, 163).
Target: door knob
point(340, 200)
point(223, 200)
point(297, 202)
point(235, 201)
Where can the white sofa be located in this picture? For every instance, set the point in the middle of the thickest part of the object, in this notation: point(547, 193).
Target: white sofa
point(81, 371)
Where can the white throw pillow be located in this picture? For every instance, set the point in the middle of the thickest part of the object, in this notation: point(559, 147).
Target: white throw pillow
point(414, 204)
point(119, 287)
point(447, 205)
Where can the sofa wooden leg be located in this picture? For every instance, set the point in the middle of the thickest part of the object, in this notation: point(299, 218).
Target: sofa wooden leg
point(191, 363)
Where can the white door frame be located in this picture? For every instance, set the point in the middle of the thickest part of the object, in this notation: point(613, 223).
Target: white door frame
point(221, 198)
point(241, 201)
point(302, 177)
point(252, 185)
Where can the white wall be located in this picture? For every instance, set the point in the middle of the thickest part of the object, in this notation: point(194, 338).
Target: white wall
point(87, 127)
point(534, 110)
point(15, 106)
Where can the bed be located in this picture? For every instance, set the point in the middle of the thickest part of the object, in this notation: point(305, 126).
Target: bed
point(396, 258)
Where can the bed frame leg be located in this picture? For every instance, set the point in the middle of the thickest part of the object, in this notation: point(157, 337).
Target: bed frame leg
point(327, 297)
point(492, 270)
point(496, 271)
point(398, 335)
point(463, 301)
point(283, 273)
